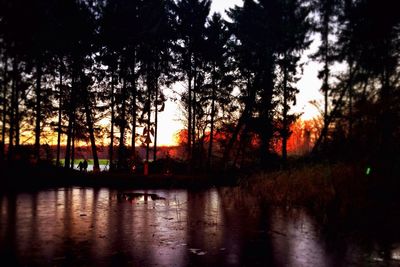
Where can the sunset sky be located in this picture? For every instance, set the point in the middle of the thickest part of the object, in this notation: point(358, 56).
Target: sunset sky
point(309, 85)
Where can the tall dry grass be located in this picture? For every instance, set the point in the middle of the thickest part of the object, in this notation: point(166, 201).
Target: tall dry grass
point(322, 187)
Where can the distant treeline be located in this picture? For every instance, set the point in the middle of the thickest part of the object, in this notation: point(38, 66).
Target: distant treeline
point(67, 64)
point(48, 152)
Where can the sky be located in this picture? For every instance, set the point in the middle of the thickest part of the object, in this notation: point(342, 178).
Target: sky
point(309, 85)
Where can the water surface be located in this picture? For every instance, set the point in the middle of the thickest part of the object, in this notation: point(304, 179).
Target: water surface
point(215, 227)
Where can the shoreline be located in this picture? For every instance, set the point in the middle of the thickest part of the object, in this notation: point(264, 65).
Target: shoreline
point(26, 178)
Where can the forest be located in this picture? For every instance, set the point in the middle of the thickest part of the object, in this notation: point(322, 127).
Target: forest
point(66, 66)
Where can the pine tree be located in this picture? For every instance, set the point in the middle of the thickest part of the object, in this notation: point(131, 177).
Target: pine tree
point(327, 14)
point(294, 28)
point(190, 20)
point(220, 84)
point(255, 30)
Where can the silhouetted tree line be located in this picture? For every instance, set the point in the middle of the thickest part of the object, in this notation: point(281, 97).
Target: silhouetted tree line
point(67, 64)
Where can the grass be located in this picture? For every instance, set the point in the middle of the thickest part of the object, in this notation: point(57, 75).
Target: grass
point(339, 189)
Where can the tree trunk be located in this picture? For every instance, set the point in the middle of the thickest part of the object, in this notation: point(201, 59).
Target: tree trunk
point(121, 148)
point(134, 108)
point(67, 160)
point(89, 121)
point(386, 117)
point(155, 123)
point(17, 112)
point(38, 108)
point(189, 130)
point(194, 118)
point(12, 110)
point(350, 134)
point(329, 120)
point(285, 126)
point(195, 87)
point(325, 85)
point(210, 145)
point(4, 115)
point(59, 119)
point(111, 151)
point(17, 117)
point(71, 120)
point(73, 145)
point(149, 87)
point(244, 118)
point(326, 89)
point(266, 132)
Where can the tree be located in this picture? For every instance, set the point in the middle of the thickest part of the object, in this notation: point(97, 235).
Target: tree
point(221, 81)
point(155, 56)
point(190, 20)
point(294, 28)
point(369, 45)
point(79, 56)
point(254, 28)
point(326, 13)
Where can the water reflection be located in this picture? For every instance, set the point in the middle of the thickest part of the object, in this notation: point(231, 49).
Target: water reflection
point(295, 241)
point(83, 226)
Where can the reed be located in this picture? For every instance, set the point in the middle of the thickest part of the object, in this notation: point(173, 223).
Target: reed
point(321, 187)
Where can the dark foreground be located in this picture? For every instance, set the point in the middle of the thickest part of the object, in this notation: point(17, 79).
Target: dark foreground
point(76, 226)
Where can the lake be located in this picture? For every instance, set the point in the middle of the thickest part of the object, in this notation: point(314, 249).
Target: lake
point(214, 227)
